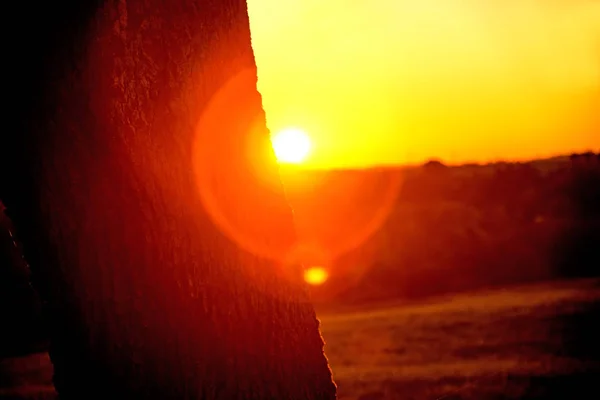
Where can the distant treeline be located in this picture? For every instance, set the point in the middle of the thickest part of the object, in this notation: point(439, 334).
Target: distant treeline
point(465, 227)
point(446, 229)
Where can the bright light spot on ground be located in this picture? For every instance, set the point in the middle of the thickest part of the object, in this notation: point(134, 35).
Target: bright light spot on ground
point(315, 275)
point(291, 145)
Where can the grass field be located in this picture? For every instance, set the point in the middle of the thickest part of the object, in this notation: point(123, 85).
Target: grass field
point(531, 342)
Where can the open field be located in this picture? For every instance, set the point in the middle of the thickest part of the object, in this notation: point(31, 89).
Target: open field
point(530, 342)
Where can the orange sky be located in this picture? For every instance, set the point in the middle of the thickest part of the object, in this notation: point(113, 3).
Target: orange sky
point(402, 81)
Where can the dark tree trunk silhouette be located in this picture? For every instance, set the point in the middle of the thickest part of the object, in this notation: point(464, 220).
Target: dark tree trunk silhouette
point(142, 185)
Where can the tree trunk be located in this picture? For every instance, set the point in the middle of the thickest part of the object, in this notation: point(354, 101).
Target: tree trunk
point(143, 186)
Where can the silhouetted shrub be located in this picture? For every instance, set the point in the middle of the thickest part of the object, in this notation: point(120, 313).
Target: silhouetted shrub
point(21, 328)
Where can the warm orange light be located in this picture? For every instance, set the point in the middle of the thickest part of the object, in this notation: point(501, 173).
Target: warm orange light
point(315, 275)
point(403, 81)
point(291, 145)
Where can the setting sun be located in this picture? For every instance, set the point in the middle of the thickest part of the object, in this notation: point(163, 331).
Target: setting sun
point(403, 81)
point(315, 276)
point(291, 145)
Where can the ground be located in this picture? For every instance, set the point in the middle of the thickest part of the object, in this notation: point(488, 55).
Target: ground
point(530, 342)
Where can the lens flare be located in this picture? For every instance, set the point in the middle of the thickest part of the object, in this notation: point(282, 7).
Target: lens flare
point(316, 276)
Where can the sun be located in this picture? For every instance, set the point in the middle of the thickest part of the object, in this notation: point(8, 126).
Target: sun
point(291, 145)
point(316, 275)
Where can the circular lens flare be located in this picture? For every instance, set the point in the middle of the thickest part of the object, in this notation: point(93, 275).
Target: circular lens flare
point(236, 171)
point(291, 145)
point(315, 276)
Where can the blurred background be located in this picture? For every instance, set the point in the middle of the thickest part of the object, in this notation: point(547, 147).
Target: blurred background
point(442, 159)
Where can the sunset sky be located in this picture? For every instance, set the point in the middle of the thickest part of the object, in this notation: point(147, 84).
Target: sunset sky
point(402, 81)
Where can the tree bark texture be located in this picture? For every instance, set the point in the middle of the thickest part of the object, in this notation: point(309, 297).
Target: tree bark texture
point(142, 184)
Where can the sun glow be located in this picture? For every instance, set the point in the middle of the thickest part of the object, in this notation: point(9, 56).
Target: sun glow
point(403, 81)
point(315, 276)
point(291, 145)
